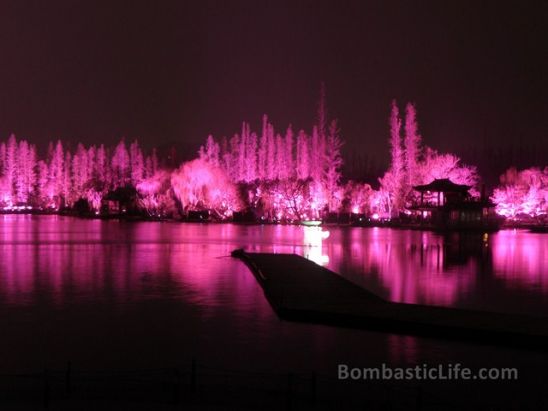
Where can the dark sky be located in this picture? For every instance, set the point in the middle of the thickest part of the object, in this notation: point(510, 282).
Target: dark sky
point(172, 72)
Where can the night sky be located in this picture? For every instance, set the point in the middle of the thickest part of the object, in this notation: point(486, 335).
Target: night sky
point(172, 72)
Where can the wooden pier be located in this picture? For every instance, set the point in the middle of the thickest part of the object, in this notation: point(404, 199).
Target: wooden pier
point(300, 290)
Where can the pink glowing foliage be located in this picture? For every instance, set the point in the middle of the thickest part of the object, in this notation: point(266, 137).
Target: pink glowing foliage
point(332, 167)
point(522, 194)
point(303, 166)
point(279, 176)
point(357, 198)
point(381, 205)
point(412, 143)
point(137, 163)
point(62, 178)
point(199, 185)
point(93, 197)
point(287, 200)
point(155, 194)
point(436, 166)
point(282, 176)
point(120, 164)
point(394, 179)
point(262, 150)
point(412, 164)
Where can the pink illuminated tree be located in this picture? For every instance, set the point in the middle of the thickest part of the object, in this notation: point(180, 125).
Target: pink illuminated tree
point(210, 152)
point(155, 194)
point(522, 194)
point(242, 153)
point(21, 192)
point(62, 178)
point(4, 196)
point(102, 169)
point(57, 171)
point(45, 189)
point(120, 164)
point(289, 164)
point(332, 166)
point(198, 186)
point(385, 196)
point(271, 169)
point(26, 172)
point(266, 166)
point(302, 160)
point(154, 161)
point(68, 196)
point(232, 160)
point(437, 166)
point(281, 165)
point(137, 163)
point(262, 151)
point(508, 200)
point(10, 169)
point(80, 170)
point(394, 182)
point(92, 160)
point(286, 200)
point(93, 196)
point(316, 156)
point(380, 206)
point(251, 157)
point(412, 143)
point(415, 165)
point(357, 197)
point(294, 199)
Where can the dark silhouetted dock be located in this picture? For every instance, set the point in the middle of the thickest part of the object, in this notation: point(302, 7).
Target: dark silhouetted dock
point(300, 290)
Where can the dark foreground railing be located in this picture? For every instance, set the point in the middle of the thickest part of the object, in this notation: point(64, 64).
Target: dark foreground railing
point(197, 386)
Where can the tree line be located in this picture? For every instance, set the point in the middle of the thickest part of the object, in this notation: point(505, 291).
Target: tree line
point(63, 177)
point(268, 174)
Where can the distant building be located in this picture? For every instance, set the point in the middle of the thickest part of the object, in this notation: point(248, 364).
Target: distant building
point(446, 205)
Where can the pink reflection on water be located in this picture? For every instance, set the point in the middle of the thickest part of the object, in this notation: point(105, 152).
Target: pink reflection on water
point(178, 283)
point(404, 266)
point(65, 260)
point(521, 258)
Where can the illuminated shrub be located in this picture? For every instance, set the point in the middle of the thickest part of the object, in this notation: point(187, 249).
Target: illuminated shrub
point(522, 193)
point(199, 185)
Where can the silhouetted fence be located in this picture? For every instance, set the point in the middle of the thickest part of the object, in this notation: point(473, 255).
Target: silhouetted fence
point(196, 385)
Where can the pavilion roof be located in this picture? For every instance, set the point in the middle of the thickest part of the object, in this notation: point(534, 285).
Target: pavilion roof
point(443, 185)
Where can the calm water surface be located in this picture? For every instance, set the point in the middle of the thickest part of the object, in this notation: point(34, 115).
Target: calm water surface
point(112, 294)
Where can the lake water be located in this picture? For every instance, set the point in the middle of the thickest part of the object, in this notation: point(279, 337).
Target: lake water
point(109, 294)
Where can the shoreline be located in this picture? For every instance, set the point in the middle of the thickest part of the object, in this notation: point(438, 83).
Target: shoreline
point(534, 228)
